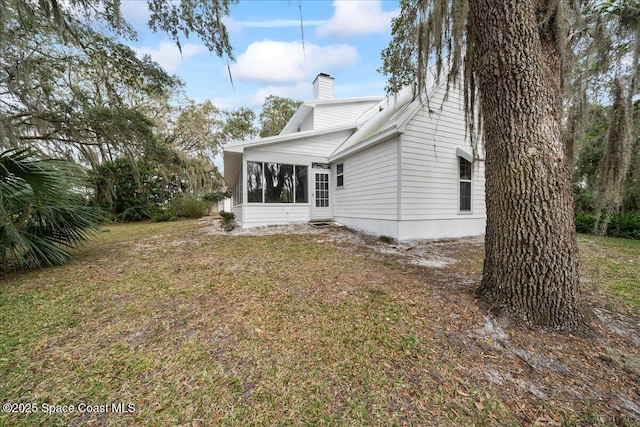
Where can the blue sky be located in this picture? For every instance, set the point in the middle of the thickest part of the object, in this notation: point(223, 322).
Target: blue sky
point(342, 38)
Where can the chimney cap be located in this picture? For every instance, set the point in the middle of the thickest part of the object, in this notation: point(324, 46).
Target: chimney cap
point(323, 75)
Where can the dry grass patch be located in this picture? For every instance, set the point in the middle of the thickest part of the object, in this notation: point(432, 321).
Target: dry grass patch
point(332, 328)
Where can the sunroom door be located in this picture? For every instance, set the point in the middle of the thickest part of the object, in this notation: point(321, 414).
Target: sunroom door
point(320, 203)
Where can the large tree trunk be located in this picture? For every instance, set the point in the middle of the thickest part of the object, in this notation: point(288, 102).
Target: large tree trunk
point(531, 263)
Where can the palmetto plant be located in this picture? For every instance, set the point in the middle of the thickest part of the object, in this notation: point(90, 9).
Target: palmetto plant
point(42, 213)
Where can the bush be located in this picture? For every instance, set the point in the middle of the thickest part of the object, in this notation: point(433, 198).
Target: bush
point(627, 226)
point(186, 205)
point(584, 199)
point(164, 216)
point(585, 222)
point(228, 216)
point(621, 225)
point(228, 222)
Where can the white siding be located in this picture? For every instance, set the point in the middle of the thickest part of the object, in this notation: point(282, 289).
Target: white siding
point(323, 87)
point(440, 228)
point(429, 164)
point(370, 184)
point(307, 123)
point(334, 115)
point(259, 214)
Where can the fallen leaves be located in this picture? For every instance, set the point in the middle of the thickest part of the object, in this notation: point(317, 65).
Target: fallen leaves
point(216, 329)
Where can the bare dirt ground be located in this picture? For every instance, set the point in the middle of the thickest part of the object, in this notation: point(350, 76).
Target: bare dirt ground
point(598, 371)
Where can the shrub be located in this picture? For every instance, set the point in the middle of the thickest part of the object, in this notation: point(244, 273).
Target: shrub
point(227, 215)
point(585, 222)
point(134, 193)
point(186, 205)
point(583, 199)
point(228, 222)
point(621, 225)
point(627, 226)
point(164, 216)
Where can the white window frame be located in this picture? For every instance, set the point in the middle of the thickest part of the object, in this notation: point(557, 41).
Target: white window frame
point(339, 175)
point(464, 180)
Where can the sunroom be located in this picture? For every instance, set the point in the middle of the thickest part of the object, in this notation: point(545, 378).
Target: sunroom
point(281, 181)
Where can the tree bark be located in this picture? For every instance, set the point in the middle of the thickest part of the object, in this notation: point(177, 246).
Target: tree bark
point(531, 262)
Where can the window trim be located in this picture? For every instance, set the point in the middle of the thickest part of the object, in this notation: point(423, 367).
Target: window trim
point(464, 180)
point(340, 175)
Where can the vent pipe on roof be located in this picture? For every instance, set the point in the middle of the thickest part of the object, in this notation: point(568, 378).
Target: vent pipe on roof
point(323, 87)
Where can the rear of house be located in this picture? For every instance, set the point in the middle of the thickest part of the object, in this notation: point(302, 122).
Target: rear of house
point(398, 166)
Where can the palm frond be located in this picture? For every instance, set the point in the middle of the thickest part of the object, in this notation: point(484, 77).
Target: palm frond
point(41, 209)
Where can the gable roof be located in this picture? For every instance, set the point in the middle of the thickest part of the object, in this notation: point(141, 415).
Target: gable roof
point(308, 107)
point(238, 147)
point(388, 118)
point(384, 120)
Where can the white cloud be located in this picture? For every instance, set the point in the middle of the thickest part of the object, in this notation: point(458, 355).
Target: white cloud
point(168, 55)
point(357, 18)
point(280, 62)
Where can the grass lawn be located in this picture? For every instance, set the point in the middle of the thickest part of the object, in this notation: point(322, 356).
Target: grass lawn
point(182, 327)
point(612, 265)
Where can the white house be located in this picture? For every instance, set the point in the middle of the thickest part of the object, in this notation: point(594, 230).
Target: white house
point(398, 166)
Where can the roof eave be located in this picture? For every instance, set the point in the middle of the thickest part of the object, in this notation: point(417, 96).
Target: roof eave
point(367, 143)
point(238, 147)
point(298, 117)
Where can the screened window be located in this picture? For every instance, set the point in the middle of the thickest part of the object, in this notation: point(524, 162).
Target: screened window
point(301, 184)
point(254, 182)
point(340, 175)
point(237, 190)
point(276, 183)
point(464, 167)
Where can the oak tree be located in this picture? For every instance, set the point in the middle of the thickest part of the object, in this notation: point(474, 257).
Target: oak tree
point(510, 55)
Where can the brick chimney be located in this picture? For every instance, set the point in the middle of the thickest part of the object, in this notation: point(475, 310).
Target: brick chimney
point(323, 87)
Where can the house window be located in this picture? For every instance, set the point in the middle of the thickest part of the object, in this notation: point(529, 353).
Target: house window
point(301, 187)
point(279, 183)
point(340, 175)
point(254, 182)
point(276, 183)
point(237, 189)
point(464, 167)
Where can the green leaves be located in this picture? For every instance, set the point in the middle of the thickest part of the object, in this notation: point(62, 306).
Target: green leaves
point(202, 17)
point(239, 125)
point(276, 112)
point(42, 211)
